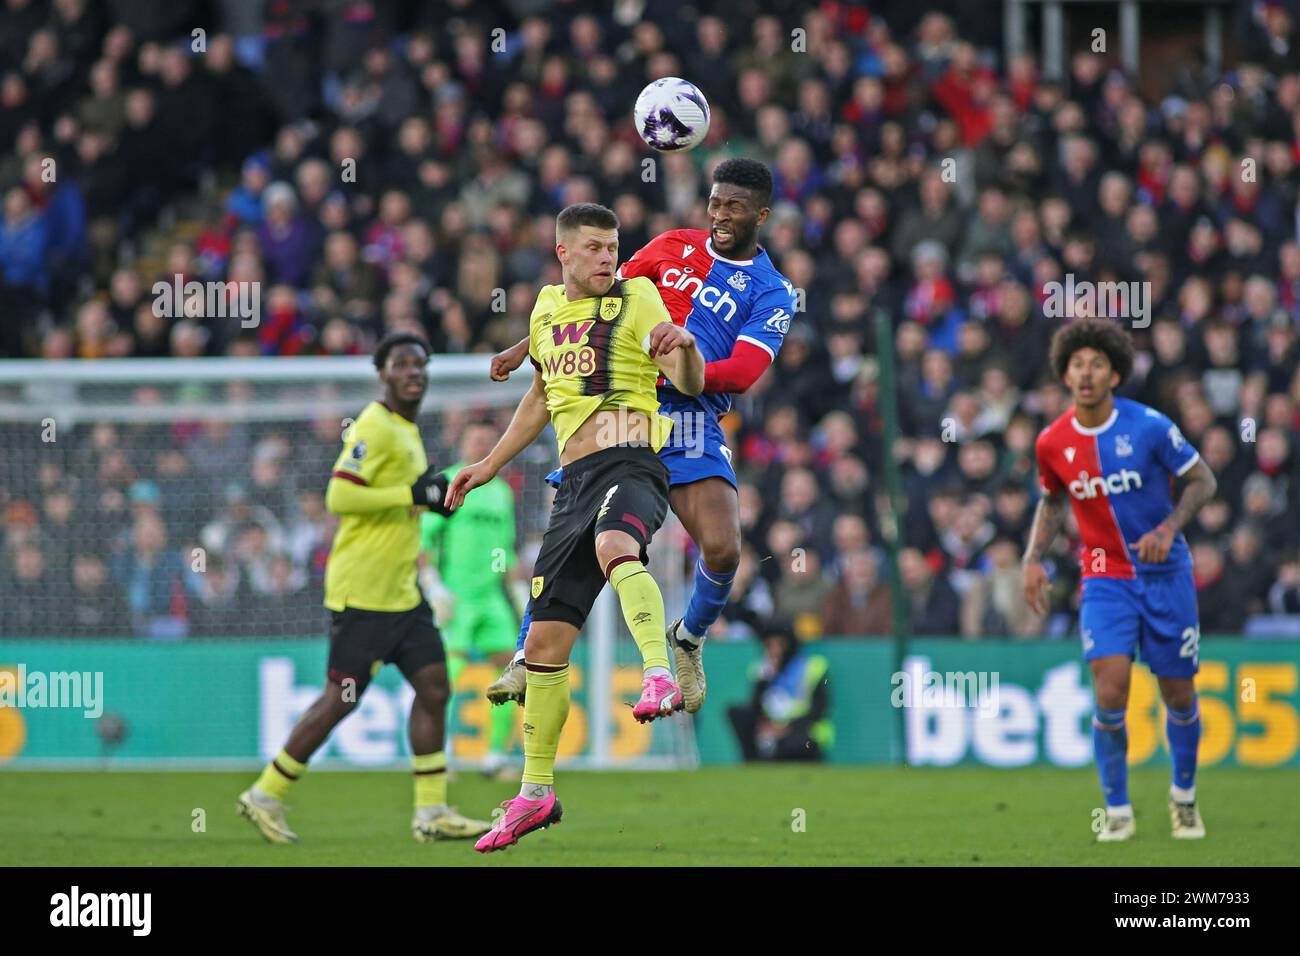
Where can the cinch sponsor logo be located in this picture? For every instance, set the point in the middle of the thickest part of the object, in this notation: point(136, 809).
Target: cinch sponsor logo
point(1086, 486)
point(102, 909)
point(713, 299)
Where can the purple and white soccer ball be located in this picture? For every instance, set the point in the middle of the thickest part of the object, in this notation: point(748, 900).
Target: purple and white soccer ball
point(671, 114)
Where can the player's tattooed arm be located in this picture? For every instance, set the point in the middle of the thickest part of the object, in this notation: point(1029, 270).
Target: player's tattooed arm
point(1198, 488)
point(1048, 517)
point(503, 363)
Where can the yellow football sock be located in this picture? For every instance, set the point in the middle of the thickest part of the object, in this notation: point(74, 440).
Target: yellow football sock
point(643, 609)
point(546, 707)
point(430, 779)
point(279, 774)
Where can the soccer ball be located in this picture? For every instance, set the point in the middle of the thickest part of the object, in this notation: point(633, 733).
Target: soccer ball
point(671, 114)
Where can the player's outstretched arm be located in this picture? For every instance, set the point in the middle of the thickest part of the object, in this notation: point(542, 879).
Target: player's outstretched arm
point(678, 357)
point(1199, 487)
point(344, 497)
point(503, 363)
point(1047, 522)
point(530, 418)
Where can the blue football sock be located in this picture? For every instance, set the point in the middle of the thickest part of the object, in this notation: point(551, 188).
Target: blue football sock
point(707, 600)
point(1110, 744)
point(1184, 730)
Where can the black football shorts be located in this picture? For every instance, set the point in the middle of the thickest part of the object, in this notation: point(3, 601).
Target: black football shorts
point(623, 488)
point(363, 641)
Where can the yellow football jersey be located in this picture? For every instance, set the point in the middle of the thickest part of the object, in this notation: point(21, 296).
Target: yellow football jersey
point(594, 355)
point(372, 561)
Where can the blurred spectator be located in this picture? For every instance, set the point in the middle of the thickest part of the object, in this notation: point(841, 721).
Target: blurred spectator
point(153, 579)
point(33, 605)
point(803, 506)
point(95, 607)
point(934, 606)
point(219, 601)
point(343, 284)
point(61, 531)
point(801, 588)
point(788, 714)
point(286, 239)
point(283, 581)
point(859, 605)
point(935, 218)
point(1284, 594)
point(1248, 569)
point(24, 277)
point(993, 604)
point(309, 533)
point(1219, 597)
point(245, 201)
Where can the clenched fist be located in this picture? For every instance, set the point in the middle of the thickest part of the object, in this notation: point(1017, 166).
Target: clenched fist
point(666, 337)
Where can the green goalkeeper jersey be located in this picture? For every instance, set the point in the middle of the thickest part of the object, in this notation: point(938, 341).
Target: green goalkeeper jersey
point(475, 547)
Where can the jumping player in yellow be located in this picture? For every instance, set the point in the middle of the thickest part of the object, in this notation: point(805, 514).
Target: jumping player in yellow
point(379, 485)
point(598, 346)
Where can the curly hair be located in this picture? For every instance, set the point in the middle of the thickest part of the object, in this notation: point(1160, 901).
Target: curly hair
point(1104, 335)
point(748, 174)
point(394, 339)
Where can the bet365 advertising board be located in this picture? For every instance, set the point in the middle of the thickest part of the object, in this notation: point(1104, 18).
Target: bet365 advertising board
point(993, 703)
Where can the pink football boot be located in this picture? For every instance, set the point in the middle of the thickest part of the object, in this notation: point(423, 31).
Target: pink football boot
point(660, 696)
point(521, 816)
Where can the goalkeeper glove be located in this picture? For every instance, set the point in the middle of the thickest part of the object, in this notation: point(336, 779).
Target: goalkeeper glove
point(429, 491)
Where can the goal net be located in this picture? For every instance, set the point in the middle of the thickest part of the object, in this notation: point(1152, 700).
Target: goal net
point(165, 539)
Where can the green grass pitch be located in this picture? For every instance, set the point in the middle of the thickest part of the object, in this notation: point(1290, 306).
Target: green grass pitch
point(734, 816)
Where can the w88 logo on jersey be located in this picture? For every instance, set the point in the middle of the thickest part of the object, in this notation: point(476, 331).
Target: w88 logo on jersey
point(580, 361)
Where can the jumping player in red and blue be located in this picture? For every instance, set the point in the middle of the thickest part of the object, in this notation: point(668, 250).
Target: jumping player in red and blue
point(721, 285)
point(1116, 460)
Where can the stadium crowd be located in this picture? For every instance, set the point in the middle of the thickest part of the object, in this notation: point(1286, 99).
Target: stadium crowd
point(383, 165)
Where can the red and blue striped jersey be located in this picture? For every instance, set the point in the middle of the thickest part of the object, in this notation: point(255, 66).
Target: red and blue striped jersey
point(1119, 477)
point(722, 301)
